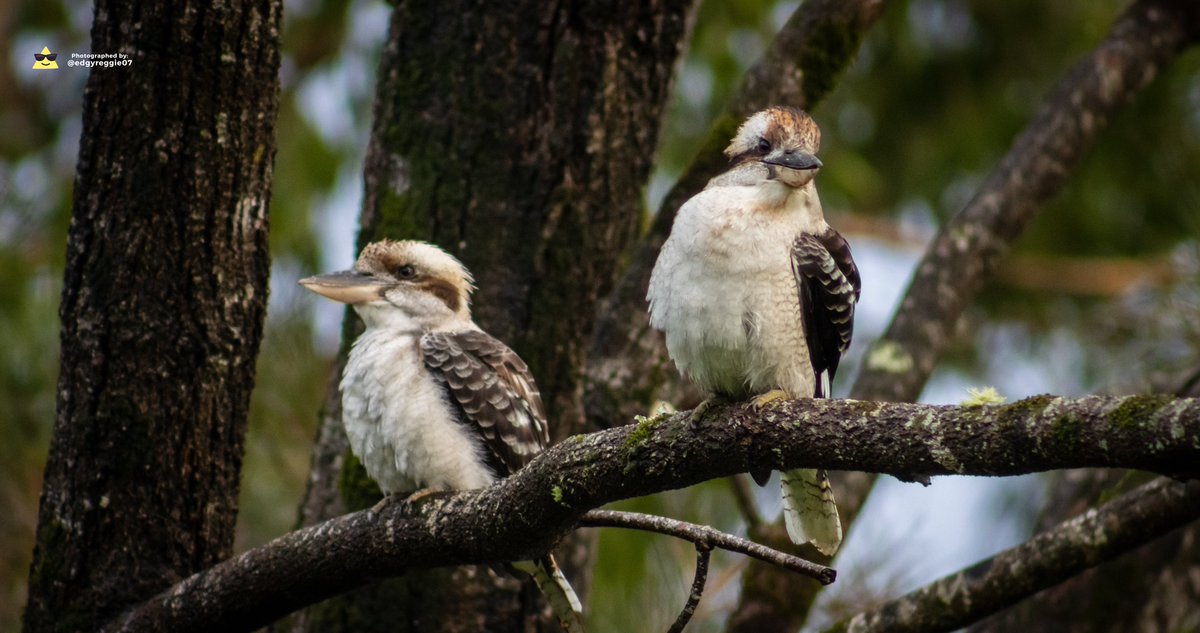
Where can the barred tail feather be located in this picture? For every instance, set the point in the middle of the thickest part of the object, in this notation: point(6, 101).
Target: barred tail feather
point(809, 510)
point(558, 592)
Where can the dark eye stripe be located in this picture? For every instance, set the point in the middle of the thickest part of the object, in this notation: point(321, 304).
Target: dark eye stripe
point(443, 290)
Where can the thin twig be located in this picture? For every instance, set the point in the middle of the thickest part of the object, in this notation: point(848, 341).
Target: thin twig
point(703, 552)
point(712, 537)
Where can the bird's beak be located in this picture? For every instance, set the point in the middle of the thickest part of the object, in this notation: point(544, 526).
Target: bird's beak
point(347, 286)
point(793, 160)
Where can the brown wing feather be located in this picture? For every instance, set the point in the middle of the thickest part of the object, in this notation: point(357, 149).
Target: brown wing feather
point(828, 284)
point(493, 388)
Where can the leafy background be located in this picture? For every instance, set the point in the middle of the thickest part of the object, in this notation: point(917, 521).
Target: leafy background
point(1100, 295)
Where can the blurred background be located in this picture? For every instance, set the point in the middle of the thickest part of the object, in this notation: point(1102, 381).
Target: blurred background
point(1101, 295)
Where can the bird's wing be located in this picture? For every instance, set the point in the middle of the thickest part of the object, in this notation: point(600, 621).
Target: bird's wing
point(829, 285)
point(495, 392)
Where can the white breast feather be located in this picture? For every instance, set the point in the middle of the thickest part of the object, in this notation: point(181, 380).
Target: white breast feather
point(724, 293)
point(419, 444)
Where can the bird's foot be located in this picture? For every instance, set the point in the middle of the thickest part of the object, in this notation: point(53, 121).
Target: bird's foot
point(770, 397)
point(701, 409)
point(423, 494)
point(383, 503)
point(398, 497)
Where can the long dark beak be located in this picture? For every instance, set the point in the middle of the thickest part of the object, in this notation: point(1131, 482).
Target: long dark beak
point(794, 160)
point(347, 286)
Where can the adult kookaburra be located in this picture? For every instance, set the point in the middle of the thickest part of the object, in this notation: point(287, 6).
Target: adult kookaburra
point(429, 400)
point(756, 293)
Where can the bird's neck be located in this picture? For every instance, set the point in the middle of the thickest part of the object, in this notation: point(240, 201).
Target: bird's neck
point(387, 319)
point(775, 197)
point(769, 193)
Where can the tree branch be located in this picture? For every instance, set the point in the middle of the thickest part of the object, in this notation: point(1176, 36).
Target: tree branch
point(709, 537)
point(522, 516)
point(1045, 560)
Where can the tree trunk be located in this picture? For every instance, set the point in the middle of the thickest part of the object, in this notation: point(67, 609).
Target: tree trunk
point(520, 140)
point(162, 308)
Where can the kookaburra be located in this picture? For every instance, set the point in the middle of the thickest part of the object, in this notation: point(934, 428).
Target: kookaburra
point(429, 400)
point(756, 293)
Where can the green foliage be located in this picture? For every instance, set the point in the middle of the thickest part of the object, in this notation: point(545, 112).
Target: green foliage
point(292, 379)
point(357, 488)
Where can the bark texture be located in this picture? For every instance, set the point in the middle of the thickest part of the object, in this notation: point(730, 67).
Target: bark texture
point(162, 308)
point(520, 141)
point(520, 517)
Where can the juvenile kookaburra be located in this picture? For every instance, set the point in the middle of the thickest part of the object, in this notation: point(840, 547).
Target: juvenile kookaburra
point(429, 400)
point(756, 293)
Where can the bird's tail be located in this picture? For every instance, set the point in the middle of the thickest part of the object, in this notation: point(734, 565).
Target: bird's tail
point(809, 511)
point(558, 592)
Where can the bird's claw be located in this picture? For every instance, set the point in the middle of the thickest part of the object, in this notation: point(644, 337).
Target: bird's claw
point(411, 500)
point(421, 495)
point(770, 397)
point(378, 507)
point(698, 413)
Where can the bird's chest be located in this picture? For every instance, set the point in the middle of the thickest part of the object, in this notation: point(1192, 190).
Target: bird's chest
point(399, 423)
point(727, 299)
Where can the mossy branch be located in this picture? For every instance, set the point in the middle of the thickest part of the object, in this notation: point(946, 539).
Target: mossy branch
point(524, 515)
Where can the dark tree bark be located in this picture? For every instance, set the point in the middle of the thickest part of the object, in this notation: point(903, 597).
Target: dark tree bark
point(162, 308)
point(519, 140)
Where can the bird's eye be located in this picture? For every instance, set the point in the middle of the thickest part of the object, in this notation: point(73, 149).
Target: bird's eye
point(764, 145)
point(406, 272)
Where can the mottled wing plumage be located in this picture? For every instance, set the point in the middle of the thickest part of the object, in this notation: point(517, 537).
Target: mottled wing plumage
point(495, 392)
point(828, 284)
